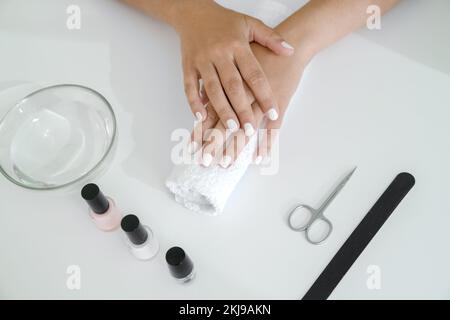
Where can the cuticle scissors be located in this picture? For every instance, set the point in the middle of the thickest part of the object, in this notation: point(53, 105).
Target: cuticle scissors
point(317, 214)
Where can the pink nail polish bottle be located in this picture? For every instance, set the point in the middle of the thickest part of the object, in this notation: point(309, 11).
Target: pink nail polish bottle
point(103, 210)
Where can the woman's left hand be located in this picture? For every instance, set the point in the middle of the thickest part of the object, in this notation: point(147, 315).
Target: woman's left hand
point(284, 75)
point(215, 46)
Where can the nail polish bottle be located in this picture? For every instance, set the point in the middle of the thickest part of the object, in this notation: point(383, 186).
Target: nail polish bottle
point(180, 265)
point(140, 238)
point(103, 210)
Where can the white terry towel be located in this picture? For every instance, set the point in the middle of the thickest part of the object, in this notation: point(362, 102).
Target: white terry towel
point(207, 189)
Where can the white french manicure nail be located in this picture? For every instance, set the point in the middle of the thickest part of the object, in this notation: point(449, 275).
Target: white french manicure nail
point(248, 129)
point(226, 160)
point(286, 45)
point(258, 160)
point(199, 116)
point(272, 114)
point(207, 159)
point(232, 125)
point(192, 147)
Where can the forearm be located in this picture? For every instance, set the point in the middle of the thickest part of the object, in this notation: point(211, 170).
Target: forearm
point(164, 10)
point(320, 23)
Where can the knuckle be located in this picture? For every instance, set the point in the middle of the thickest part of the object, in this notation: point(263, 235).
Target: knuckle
point(255, 77)
point(234, 85)
point(213, 87)
point(235, 44)
point(200, 60)
point(217, 50)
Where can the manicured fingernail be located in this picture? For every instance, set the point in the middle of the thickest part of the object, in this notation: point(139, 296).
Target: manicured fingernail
point(232, 125)
point(248, 129)
point(286, 45)
point(192, 147)
point(199, 116)
point(258, 160)
point(207, 159)
point(272, 114)
point(226, 160)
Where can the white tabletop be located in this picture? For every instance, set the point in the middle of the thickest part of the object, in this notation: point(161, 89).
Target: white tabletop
point(377, 99)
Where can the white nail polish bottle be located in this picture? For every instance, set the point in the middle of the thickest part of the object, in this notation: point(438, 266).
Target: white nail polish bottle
point(140, 238)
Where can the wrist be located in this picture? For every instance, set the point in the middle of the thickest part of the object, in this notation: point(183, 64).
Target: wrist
point(305, 49)
point(302, 31)
point(182, 12)
point(173, 11)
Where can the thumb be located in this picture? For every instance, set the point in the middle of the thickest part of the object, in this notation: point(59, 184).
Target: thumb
point(269, 38)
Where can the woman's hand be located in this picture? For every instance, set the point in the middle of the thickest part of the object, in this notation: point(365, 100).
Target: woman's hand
point(216, 49)
point(284, 75)
point(315, 26)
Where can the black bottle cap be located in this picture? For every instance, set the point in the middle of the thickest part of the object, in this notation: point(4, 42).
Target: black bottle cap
point(134, 229)
point(95, 198)
point(180, 265)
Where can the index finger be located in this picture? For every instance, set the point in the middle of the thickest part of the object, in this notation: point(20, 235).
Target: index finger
point(256, 80)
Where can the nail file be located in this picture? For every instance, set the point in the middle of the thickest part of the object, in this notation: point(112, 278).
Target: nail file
point(360, 237)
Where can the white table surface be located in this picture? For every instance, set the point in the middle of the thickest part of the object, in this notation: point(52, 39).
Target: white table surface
point(377, 99)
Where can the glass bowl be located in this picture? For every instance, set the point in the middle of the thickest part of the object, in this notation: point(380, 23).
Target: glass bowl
point(56, 136)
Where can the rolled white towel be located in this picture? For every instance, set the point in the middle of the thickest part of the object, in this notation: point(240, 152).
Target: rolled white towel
point(207, 189)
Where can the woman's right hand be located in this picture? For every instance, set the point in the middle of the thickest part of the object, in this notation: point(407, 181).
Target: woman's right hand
point(215, 44)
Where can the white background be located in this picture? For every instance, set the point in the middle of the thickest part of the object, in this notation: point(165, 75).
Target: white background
point(377, 99)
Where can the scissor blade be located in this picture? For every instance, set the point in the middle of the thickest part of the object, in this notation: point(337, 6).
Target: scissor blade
point(347, 177)
point(336, 190)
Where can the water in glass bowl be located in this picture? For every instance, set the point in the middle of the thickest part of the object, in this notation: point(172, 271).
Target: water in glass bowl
point(56, 136)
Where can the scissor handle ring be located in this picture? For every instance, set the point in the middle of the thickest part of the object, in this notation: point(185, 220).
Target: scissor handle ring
point(307, 224)
point(330, 229)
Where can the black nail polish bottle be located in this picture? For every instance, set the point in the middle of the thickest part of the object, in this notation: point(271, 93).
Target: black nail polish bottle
point(180, 265)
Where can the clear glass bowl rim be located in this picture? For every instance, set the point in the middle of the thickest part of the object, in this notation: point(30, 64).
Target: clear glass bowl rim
point(90, 171)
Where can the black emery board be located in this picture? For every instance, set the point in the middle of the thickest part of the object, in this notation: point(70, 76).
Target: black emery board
point(360, 238)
